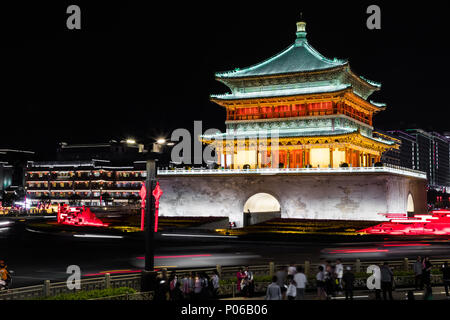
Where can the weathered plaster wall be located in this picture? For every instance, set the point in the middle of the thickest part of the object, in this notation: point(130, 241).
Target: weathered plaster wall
point(348, 197)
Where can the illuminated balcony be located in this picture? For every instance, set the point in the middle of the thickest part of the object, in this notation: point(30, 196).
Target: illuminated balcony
point(302, 171)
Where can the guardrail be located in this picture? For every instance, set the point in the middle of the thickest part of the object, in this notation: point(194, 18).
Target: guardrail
point(225, 272)
point(51, 289)
point(130, 296)
point(270, 171)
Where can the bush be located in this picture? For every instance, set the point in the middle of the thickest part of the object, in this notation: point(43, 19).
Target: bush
point(92, 294)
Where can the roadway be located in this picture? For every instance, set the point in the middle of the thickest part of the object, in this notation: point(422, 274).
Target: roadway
point(36, 256)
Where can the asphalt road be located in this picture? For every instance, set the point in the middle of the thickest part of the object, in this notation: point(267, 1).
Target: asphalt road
point(36, 257)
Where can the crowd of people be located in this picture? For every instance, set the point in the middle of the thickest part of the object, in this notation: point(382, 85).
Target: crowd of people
point(290, 283)
point(332, 279)
point(192, 286)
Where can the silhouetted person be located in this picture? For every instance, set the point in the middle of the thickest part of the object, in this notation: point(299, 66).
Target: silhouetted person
point(162, 286)
point(250, 282)
point(446, 277)
point(387, 277)
point(281, 280)
point(348, 279)
point(300, 283)
point(418, 269)
point(273, 290)
point(427, 278)
point(320, 283)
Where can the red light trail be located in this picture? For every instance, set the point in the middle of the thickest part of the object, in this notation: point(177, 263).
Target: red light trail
point(178, 256)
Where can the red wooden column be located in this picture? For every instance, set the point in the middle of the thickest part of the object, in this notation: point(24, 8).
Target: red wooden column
point(331, 157)
point(358, 159)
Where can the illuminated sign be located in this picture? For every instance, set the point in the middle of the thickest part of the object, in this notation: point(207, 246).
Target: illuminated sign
point(78, 216)
point(436, 223)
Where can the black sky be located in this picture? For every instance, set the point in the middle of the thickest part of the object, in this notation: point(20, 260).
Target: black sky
point(142, 71)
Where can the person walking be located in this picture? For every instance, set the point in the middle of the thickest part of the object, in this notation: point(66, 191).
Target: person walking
point(273, 290)
point(426, 273)
point(339, 271)
point(330, 280)
point(281, 280)
point(215, 280)
point(320, 283)
point(292, 270)
point(206, 286)
point(417, 267)
point(446, 277)
point(240, 276)
point(323, 263)
point(300, 281)
point(173, 280)
point(162, 286)
point(387, 277)
point(177, 294)
point(348, 279)
point(187, 285)
point(197, 287)
point(292, 289)
point(250, 282)
point(5, 276)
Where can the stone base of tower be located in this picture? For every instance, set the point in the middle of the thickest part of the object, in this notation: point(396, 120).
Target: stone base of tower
point(337, 196)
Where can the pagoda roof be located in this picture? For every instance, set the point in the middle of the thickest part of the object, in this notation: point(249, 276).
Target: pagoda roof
point(297, 65)
point(299, 57)
point(281, 92)
point(282, 133)
point(287, 133)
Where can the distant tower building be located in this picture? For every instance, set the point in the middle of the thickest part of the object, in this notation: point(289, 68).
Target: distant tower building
point(428, 152)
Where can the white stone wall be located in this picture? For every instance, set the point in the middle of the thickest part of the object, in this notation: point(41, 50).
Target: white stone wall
point(319, 196)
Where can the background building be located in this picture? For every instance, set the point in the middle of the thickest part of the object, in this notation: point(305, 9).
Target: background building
point(95, 174)
point(428, 152)
point(112, 150)
point(87, 182)
point(91, 174)
point(12, 174)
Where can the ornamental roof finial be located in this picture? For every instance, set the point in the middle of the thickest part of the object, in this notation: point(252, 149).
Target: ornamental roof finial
point(301, 28)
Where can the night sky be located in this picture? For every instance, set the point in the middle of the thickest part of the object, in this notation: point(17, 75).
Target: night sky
point(143, 71)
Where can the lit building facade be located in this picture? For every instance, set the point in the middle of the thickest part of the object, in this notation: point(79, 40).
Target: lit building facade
point(428, 152)
point(298, 109)
point(95, 182)
point(89, 174)
point(12, 174)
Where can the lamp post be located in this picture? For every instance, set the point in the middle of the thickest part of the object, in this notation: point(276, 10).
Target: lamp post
point(148, 279)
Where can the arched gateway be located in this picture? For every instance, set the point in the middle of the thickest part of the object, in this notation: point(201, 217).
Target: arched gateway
point(261, 207)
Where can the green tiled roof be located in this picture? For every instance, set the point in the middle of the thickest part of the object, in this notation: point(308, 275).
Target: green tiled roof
point(299, 57)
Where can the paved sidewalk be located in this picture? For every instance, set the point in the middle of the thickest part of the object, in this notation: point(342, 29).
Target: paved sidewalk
point(398, 294)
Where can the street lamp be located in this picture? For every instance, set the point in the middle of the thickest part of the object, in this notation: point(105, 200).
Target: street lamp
point(148, 279)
